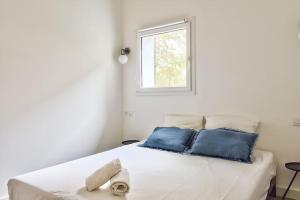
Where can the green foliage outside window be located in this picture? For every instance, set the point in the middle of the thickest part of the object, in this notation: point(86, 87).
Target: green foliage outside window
point(170, 59)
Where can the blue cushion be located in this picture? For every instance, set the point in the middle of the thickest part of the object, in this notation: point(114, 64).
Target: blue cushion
point(170, 138)
point(224, 143)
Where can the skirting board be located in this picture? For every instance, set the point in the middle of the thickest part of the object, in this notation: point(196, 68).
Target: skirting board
point(293, 194)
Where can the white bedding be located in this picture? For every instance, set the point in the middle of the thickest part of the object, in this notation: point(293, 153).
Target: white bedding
point(157, 175)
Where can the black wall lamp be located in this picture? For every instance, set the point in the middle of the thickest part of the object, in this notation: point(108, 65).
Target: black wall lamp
point(123, 58)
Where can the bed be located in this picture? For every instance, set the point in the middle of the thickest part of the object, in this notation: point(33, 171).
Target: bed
point(154, 175)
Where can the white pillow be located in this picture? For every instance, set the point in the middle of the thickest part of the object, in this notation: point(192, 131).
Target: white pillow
point(236, 122)
point(193, 121)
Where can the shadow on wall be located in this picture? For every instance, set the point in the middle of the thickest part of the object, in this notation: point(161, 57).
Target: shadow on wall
point(64, 126)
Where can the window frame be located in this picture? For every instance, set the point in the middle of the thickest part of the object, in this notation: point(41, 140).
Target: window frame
point(190, 51)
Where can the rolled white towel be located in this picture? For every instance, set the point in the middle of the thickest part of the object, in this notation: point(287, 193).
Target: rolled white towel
point(119, 184)
point(102, 175)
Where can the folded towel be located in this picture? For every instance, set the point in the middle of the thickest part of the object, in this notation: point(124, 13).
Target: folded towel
point(19, 190)
point(64, 195)
point(102, 175)
point(119, 184)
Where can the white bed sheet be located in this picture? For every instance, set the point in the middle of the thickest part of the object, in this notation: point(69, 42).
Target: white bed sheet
point(157, 175)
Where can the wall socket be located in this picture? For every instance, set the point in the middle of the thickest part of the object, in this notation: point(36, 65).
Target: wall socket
point(129, 113)
point(297, 121)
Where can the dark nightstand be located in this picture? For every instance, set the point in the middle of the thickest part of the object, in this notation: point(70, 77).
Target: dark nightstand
point(126, 142)
point(294, 166)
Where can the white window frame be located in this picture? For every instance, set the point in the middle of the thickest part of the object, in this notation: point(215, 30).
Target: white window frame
point(189, 25)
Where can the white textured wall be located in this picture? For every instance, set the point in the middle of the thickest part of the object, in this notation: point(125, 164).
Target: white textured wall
point(60, 86)
point(248, 62)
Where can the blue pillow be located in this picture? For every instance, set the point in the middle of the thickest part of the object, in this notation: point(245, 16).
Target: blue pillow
point(170, 138)
point(224, 143)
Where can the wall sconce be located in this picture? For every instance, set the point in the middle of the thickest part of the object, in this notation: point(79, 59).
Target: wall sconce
point(123, 58)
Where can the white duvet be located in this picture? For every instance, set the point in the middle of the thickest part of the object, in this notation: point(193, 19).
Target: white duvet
point(155, 175)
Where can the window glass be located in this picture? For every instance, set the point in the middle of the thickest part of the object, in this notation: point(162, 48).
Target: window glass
point(164, 60)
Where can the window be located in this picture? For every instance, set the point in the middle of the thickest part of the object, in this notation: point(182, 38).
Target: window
point(165, 65)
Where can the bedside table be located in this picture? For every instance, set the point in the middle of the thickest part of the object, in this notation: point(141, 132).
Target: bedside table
point(294, 166)
point(126, 142)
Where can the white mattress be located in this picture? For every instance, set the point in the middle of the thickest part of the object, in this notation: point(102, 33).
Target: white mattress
point(157, 175)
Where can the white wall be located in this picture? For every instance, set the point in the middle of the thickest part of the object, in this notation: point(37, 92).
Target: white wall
point(248, 62)
point(60, 86)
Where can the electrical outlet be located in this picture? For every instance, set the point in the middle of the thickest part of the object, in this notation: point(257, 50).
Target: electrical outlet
point(297, 121)
point(129, 113)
